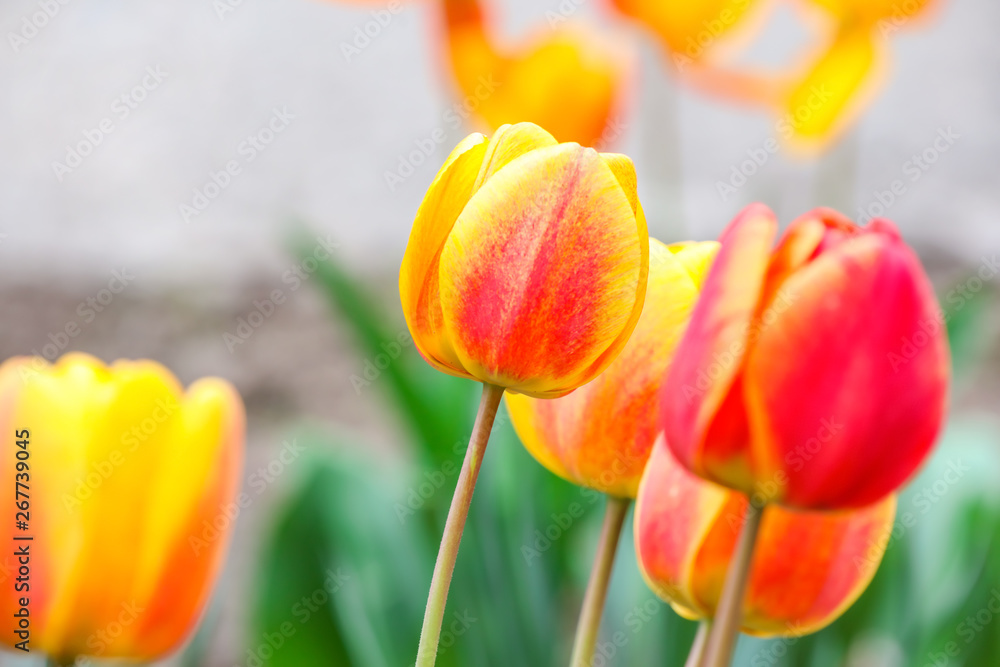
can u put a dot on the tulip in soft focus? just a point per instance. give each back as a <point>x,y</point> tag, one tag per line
<point>600,435</point>
<point>690,30</point>
<point>131,484</point>
<point>567,80</point>
<point>820,92</point>
<point>808,567</point>
<point>526,266</point>
<point>815,373</point>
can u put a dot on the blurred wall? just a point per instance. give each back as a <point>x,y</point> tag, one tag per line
<point>172,93</point>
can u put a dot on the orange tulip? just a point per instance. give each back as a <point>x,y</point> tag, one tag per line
<point>815,374</point>
<point>566,80</point>
<point>527,263</point>
<point>126,478</point>
<point>820,93</point>
<point>808,567</point>
<point>600,435</point>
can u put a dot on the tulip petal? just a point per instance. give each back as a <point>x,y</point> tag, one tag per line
<point>537,287</point>
<point>121,460</point>
<point>600,435</point>
<point>807,569</point>
<point>828,341</point>
<point>418,277</point>
<point>673,513</point>
<point>839,85</point>
<point>706,369</point>
<point>509,143</point>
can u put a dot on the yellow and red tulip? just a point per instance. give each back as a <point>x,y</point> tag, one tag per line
<point>566,80</point>
<point>527,264</point>
<point>131,483</point>
<point>808,567</point>
<point>600,435</point>
<point>818,370</point>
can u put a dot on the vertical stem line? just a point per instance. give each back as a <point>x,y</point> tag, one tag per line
<point>444,568</point>
<point>697,653</point>
<point>589,624</point>
<point>725,629</point>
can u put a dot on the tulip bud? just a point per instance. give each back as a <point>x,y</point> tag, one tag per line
<point>526,267</point>
<point>808,567</point>
<point>131,484</point>
<point>600,435</point>
<point>812,364</point>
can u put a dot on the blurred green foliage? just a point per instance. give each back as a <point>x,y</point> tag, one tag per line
<point>345,573</point>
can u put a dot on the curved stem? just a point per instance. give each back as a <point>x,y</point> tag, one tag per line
<point>597,588</point>
<point>430,633</point>
<point>722,638</point>
<point>697,653</point>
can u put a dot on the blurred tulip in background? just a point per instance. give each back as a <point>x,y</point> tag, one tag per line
<point>132,485</point>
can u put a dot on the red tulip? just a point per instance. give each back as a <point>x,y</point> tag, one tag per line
<point>815,374</point>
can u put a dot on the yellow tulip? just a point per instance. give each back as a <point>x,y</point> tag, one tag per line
<point>566,80</point>
<point>130,483</point>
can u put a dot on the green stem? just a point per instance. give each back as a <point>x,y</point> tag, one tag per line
<point>597,588</point>
<point>455,525</point>
<point>697,653</point>
<point>722,638</point>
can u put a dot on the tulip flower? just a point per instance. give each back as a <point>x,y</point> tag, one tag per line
<point>822,90</point>
<point>600,435</point>
<point>565,68</point>
<point>813,376</point>
<point>126,482</point>
<point>808,567</point>
<point>526,269</point>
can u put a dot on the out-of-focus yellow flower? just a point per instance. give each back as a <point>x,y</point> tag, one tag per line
<point>565,80</point>
<point>130,485</point>
<point>527,263</point>
<point>600,435</point>
<point>817,96</point>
